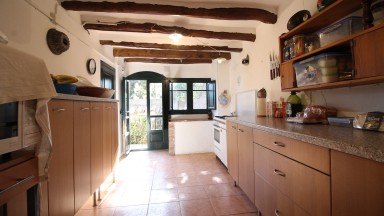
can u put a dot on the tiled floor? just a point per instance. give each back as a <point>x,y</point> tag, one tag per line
<point>155,183</point>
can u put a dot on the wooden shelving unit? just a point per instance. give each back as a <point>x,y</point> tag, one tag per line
<point>331,14</point>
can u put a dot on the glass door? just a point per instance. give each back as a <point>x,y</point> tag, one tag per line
<point>156,133</point>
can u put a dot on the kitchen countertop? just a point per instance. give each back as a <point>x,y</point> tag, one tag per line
<point>362,143</point>
<point>83,98</point>
<point>189,120</point>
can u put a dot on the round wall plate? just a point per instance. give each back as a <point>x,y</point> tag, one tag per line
<point>91,66</point>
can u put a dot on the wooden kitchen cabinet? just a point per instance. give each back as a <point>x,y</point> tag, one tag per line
<point>97,176</point>
<point>233,151</point>
<point>246,172</point>
<point>357,185</point>
<point>115,132</point>
<point>82,152</point>
<point>60,173</point>
<point>369,52</point>
<point>107,139</point>
<point>305,186</point>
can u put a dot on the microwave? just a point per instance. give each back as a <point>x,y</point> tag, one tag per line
<point>18,127</point>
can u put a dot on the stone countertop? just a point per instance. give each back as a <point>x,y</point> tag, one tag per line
<point>189,120</point>
<point>362,143</point>
<point>83,98</point>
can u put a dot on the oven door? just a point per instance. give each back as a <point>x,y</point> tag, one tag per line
<point>216,140</point>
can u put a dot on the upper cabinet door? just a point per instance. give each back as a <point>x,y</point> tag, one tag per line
<point>211,95</point>
<point>369,52</point>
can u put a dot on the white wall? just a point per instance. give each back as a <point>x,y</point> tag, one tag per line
<point>26,23</point>
<point>193,137</point>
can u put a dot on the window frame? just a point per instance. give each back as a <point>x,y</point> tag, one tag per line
<point>189,82</point>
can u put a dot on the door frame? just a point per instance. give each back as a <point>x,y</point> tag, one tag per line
<point>153,77</point>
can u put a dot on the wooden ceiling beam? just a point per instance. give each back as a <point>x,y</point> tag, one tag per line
<point>236,13</point>
<point>170,46</point>
<point>154,28</point>
<point>151,53</point>
<point>169,61</point>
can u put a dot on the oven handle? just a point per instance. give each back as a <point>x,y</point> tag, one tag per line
<point>19,182</point>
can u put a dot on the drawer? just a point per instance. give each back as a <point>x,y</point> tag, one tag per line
<point>17,179</point>
<point>308,188</point>
<point>308,154</point>
<point>277,203</point>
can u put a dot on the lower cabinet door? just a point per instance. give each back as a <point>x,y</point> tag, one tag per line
<point>60,173</point>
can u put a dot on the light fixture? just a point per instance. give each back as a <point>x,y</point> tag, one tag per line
<point>221,60</point>
<point>175,36</point>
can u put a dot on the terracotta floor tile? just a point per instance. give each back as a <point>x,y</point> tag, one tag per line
<point>164,209</point>
<point>232,205</point>
<point>218,190</point>
<point>200,207</point>
<point>218,178</point>
<point>96,212</point>
<point>164,195</point>
<point>166,183</point>
<point>187,181</point>
<point>192,193</point>
<point>139,210</point>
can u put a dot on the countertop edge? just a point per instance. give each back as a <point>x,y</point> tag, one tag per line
<point>371,153</point>
<point>83,98</point>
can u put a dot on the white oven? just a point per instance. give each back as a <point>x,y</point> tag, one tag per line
<point>220,139</point>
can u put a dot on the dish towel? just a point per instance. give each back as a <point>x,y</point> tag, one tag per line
<point>26,77</point>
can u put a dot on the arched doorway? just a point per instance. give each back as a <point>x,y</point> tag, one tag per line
<point>145,110</point>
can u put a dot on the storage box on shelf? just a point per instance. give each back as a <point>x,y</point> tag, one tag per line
<point>367,68</point>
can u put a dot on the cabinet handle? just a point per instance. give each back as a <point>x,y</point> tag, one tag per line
<point>107,108</point>
<point>19,182</point>
<point>233,127</point>
<point>277,212</point>
<point>278,172</point>
<point>84,108</point>
<point>241,130</point>
<point>58,110</point>
<point>95,108</point>
<point>279,144</point>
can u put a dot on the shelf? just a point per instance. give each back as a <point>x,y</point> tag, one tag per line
<point>329,15</point>
<point>339,84</point>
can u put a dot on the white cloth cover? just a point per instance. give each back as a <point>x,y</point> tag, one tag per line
<point>25,77</point>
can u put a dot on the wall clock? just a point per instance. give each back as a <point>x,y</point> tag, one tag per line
<point>91,66</point>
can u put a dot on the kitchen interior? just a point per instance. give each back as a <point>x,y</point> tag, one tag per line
<point>291,124</point>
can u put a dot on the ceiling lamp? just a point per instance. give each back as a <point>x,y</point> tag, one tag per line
<point>221,60</point>
<point>175,37</point>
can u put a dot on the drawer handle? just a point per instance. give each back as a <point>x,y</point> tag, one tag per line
<point>58,110</point>
<point>107,108</point>
<point>277,212</point>
<point>278,172</point>
<point>241,130</point>
<point>233,127</point>
<point>19,182</point>
<point>84,108</point>
<point>279,144</point>
<point>95,108</point>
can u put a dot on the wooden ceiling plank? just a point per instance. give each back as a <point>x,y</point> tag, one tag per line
<point>154,28</point>
<point>151,53</point>
<point>169,61</point>
<point>170,46</point>
<point>235,13</point>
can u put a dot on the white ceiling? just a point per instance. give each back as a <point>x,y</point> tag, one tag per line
<point>183,21</point>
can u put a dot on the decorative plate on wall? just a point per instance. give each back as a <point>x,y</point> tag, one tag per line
<point>91,66</point>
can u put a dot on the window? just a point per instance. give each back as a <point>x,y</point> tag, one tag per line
<point>107,76</point>
<point>192,96</point>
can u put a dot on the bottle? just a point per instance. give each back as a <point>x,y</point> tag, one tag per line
<point>293,105</point>
<point>261,103</point>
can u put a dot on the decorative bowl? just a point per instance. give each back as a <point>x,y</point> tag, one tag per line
<point>91,91</point>
<point>298,18</point>
<point>65,88</point>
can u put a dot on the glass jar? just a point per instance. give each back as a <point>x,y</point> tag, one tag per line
<point>287,49</point>
<point>299,45</point>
